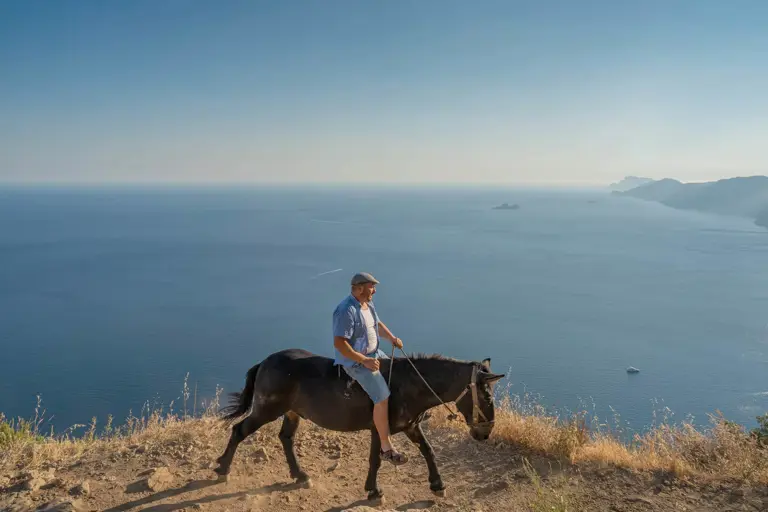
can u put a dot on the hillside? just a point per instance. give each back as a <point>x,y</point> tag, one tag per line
<point>628,183</point>
<point>762,218</point>
<point>744,196</point>
<point>532,463</point>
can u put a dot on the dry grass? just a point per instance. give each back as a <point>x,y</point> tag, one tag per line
<point>724,450</point>
<point>546,499</point>
<point>24,446</point>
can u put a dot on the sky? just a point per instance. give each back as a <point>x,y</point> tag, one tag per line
<point>343,91</point>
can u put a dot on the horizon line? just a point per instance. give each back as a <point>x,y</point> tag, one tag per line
<point>198,184</point>
<point>290,184</point>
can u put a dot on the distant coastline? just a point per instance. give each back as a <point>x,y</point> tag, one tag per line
<point>742,196</point>
<point>629,182</point>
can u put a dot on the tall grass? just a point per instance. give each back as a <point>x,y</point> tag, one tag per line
<point>23,444</point>
<point>546,498</point>
<point>722,449</point>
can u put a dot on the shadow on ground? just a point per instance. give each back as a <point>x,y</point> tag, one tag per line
<point>196,486</point>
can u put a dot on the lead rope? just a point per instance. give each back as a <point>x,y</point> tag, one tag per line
<point>452,415</point>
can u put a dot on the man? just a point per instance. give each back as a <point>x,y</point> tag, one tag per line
<point>356,330</point>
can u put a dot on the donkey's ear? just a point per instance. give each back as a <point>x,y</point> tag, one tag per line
<point>487,364</point>
<point>490,378</point>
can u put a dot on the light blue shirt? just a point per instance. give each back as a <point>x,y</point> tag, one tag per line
<point>348,323</point>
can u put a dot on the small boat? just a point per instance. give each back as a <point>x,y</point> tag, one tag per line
<point>632,369</point>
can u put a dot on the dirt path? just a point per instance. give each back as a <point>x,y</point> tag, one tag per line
<point>479,476</point>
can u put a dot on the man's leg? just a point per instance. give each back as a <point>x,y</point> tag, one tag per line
<point>381,414</point>
<point>381,420</point>
<point>374,384</point>
<point>379,393</point>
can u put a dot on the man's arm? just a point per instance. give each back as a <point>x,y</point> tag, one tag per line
<point>384,330</point>
<point>342,345</point>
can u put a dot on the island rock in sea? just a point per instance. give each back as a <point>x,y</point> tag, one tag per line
<point>507,206</point>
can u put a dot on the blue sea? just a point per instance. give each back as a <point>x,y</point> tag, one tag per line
<point>109,297</point>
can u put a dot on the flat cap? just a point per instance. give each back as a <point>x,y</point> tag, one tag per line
<point>363,277</point>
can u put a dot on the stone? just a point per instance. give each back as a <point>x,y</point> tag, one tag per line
<point>520,474</point>
<point>34,480</point>
<point>63,505</point>
<point>82,489</point>
<point>57,482</point>
<point>160,479</point>
<point>491,488</point>
<point>19,504</point>
<point>639,499</point>
<point>261,455</point>
<point>33,484</point>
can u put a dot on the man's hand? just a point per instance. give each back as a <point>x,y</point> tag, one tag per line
<point>372,364</point>
<point>397,342</point>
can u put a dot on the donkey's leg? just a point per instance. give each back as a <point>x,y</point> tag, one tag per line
<point>374,463</point>
<point>260,417</point>
<point>290,425</point>
<point>416,435</point>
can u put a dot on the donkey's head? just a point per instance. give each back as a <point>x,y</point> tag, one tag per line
<point>476,402</point>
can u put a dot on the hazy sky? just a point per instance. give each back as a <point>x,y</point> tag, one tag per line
<point>397,91</point>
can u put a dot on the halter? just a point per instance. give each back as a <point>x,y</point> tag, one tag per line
<point>476,411</point>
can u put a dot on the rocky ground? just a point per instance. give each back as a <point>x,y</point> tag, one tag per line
<point>174,474</point>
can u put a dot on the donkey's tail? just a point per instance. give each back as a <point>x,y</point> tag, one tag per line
<point>239,403</point>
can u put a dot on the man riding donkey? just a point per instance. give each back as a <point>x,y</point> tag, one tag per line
<point>297,385</point>
<point>356,328</point>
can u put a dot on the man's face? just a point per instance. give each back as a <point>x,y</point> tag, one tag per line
<point>366,290</point>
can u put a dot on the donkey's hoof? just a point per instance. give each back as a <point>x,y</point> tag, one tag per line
<point>305,483</point>
<point>440,493</point>
<point>221,474</point>
<point>376,497</point>
<point>377,502</point>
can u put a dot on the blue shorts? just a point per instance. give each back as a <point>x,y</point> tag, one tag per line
<point>372,383</point>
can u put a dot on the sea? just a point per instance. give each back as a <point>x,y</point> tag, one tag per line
<point>112,298</point>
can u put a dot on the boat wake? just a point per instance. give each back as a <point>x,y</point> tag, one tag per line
<point>326,273</point>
